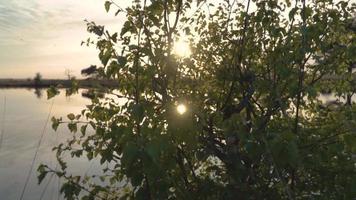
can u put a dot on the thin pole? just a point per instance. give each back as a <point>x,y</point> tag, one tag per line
<point>46,186</point>
<point>36,152</point>
<point>3,123</point>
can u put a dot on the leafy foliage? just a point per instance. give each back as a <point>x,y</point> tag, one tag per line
<point>255,127</point>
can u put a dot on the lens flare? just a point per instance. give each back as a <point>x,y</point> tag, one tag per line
<point>181,48</point>
<point>181,109</point>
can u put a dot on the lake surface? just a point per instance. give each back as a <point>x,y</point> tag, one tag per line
<point>23,119</point>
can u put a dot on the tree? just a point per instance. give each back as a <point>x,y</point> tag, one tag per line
<point>68,74</point>
<point>37,79</point>
<point>253,127</point>
<point>91,71</point>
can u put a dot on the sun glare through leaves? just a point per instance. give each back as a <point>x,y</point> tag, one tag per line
<point>181,48</point>
<point>181,109</point>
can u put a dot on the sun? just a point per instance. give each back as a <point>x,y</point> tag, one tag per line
<point>181,48</point>
<point>181,109</point>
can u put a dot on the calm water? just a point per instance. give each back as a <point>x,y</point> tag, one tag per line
<point>23,119</point>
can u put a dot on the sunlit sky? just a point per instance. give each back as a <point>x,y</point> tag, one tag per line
<point>45,35</point>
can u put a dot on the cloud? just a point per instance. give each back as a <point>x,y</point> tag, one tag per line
<point>34,33</point>
<point>20,20</point>
<point>14,15</point>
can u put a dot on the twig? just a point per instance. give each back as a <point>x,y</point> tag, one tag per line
<point>69,179</point>
<point>287,188</point>
<point>301,71</point>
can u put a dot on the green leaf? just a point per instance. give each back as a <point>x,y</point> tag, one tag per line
<point>118,11</point>
<point>153,150</point>
<point>72,127</point>
<point>308,12</point>
<point>107,5</point>
<point>83,129</point>
<point>77,117</point>
<point>52,92</point>
<point>138,112</point>
<point>350,142</point>
<point>114,37</point>
<point>90,155</point>
<point>42,170</point>
<point>77,153</point>
<point>129,154</point>
<point>71,116</point>
<point>293,154</point>
<point>137,179</point>
<point>122,60</point>
<point>156,8</point>
<point>105,57</point>
<point>128,27</point>
<point>55,123</point>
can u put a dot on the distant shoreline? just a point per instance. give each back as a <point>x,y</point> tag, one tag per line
<point>60,83</point>
<point>82,83</point>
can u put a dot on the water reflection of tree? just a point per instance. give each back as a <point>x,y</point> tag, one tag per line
<point>38,92</point>
<point>92,93</point>
<point>37,79</point>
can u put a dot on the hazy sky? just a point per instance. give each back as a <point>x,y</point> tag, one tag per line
<point>45,35</point>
